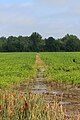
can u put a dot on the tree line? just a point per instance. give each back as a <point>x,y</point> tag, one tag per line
<point>35,43</point>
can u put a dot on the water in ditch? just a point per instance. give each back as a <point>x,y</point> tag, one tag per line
<point>66,95</point>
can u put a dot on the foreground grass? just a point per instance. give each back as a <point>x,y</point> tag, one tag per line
<point>15,67</point>
<point>18,106</point>
<point>63,66</point>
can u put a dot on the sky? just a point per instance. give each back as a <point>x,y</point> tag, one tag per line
<point>54,18</point>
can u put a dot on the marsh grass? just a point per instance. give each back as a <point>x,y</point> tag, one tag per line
<point>27,106</point>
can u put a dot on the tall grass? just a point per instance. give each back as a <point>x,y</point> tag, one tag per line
<point>19,106</point>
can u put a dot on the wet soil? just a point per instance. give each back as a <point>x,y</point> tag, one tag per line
<point>66,95</point>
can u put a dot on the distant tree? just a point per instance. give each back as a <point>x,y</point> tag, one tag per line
<point>13,44</point>
<point>71,43</point>
<point>24,43</point>
<point>57,46</point>
<point>2,43</point>
<point>51,44</point>
<point>35,42</point>
<point>61,45</point>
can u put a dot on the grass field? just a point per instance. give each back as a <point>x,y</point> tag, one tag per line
<point>16,104</point>
<point>15,67</point>
<point>63,66</point>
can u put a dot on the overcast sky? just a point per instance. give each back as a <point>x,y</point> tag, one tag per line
<point>48,17</point>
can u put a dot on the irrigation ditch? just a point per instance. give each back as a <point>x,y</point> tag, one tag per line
<point>67,96</point>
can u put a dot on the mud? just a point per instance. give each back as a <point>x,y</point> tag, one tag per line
<point>67,96</point>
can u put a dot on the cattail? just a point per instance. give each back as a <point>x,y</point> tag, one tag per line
<point>6,104</point>
<point>14,103</point>
<point>0,107</point>
<point>11,103</point>
<point>10,113</point>
<point>48,112</point>
<point>21,109</point>
<point>26,104</point>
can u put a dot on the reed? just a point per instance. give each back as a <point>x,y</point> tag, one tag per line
<point>19,106</point>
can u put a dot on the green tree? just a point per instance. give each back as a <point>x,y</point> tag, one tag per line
<point>35,42</point>
<point>24,43</point>
<point>2,43</point>
<point>13,44</point>
<point>51,45</point>
<point>71,43</point>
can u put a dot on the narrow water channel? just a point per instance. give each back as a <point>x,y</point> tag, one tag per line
<point>66,95</point>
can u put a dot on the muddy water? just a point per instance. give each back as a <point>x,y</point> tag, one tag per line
<point>66,95</point>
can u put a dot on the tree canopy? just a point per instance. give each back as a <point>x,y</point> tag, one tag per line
<point>35,43</point>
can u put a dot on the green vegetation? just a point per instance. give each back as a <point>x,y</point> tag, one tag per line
<point>35,43</point>
<point>19,106</point>
<point>63,66</point>
<point>15,67</point>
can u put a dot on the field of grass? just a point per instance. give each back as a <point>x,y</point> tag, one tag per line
<point>15,105</point>
<point>20,106</point>
<point>63,66</point>
<point>15,67</point>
